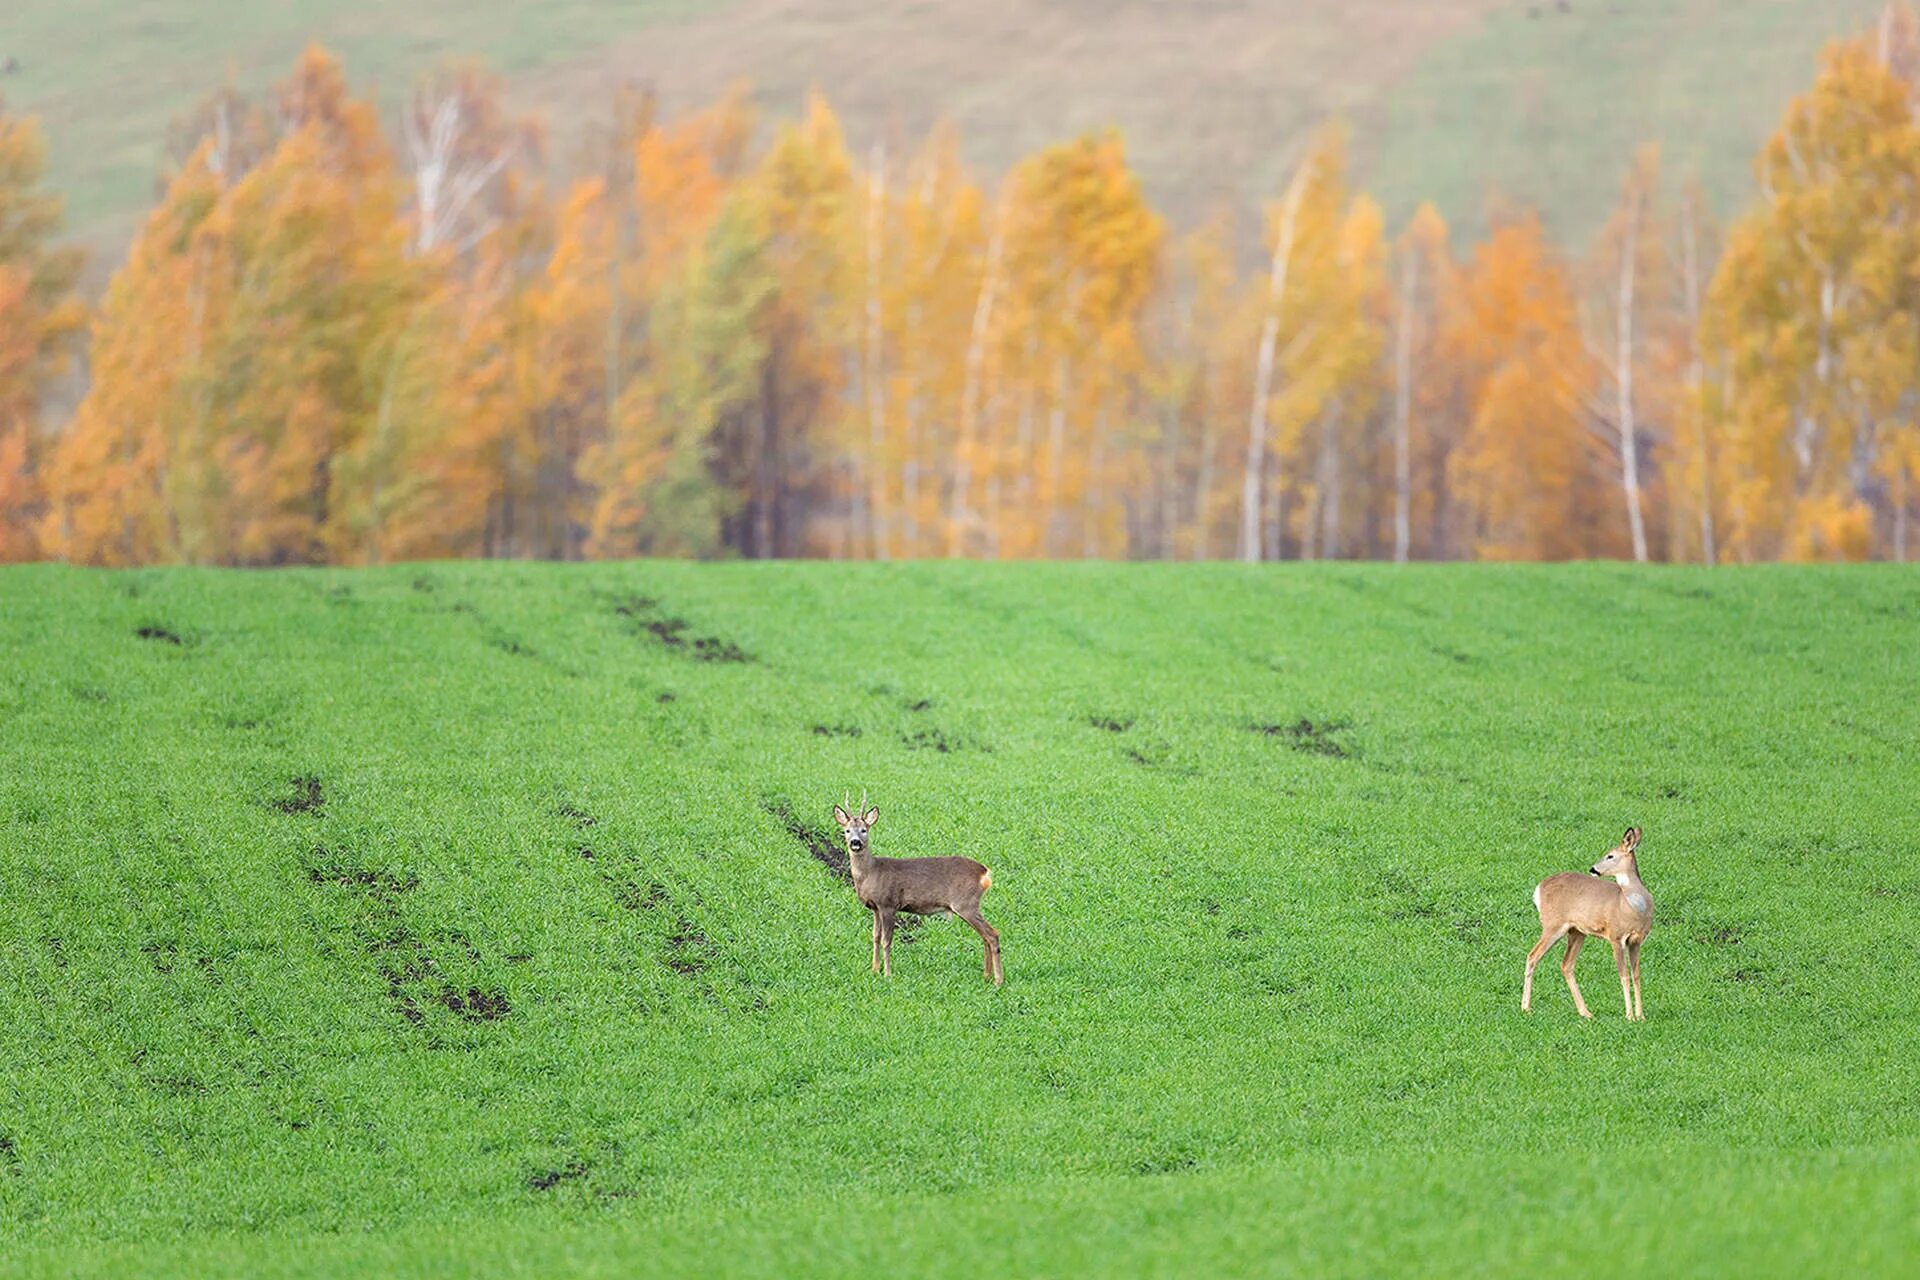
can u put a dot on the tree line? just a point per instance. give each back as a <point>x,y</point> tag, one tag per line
<point>339,341</point>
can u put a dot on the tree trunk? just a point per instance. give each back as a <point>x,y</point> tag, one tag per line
<point>1090,500</point>
<point>765,468</point>
<point>1403,409</point>
<point>1026,447</point>
<point>1623,381</point>
<point>1900,512</point>
<point>1806,428</point>
<point>1169,477</point>
<point>876,391</point>
<point>1203,491</point>
<point>913,442</point>
<point>1056,454</point>
<point>1330,484</point>
<point>1274,533</point>
<point>957,512</point>
<point>1253,477</point>
<point>1696,373</point>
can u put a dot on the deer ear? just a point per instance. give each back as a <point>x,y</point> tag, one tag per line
<point>872,816</point>
<point>1631,840</point>
<point>840,816</point>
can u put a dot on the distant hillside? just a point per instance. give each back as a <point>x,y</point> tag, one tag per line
<point>1448,99</point>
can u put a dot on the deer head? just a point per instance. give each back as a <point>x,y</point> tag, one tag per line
<point>1619,860</point>
<point>856,825</point>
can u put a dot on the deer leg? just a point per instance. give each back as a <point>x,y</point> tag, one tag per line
<point>1633,957</point>
<point>989,937</point>
<point>1575,941</point>
<point>876,941</point>
<point>1626,979</point>
<point>885,918</point>
<point>1547,938</point>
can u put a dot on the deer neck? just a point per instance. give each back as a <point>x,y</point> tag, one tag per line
<point>1633,891</point>
<point>861,863</point>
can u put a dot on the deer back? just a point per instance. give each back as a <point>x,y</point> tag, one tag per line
<point>921,885</point>
<point>1592,905</point>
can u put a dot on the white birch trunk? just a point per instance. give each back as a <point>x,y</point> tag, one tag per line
<point>958,512</point>
<point>1623,381</point>
<point>1403,409</point>
<point>1253,479</point>
<point>875,387</point>
<point>1056,451</point>
<point>1696,372</point>
<point>1203,491</point>
<point>1900,512</point>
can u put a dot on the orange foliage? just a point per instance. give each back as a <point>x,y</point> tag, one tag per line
<point>326,347</point>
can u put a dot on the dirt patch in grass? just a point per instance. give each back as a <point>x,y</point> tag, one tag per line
<point>676,634</point>
<point>688,949</point>
<point>307,796</point>
<point>475,1005</point>
<point>1160,1163</point>
<point>380,884</point>
<point>413,979</point>
<point>1720,935</point>
<point>1315,737</point>
<point>163,635</point>
<point>9,1156</point>
<point>927,740</point>
<point>1110,724</point>
<point>920,704</point>
<point>577,816</point>
<point>548,1179</point>
<point>836,730</point>
<point>635,896</point>
<point>820,844</point>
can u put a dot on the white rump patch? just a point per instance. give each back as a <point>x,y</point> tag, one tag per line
<point>1536,897</point>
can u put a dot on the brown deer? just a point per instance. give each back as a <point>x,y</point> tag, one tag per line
<point>1577,905</point>
<point>922,886</point>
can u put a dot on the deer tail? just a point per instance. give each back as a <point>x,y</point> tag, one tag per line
<point>986,879</point>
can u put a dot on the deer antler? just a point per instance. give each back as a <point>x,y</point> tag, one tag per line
<point>863,800</point>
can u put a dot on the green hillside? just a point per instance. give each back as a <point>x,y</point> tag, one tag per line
<point>1548,103</point>
<point>1448,99</point>
<point>441,919</point>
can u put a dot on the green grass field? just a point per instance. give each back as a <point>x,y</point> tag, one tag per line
<point>466,919</point>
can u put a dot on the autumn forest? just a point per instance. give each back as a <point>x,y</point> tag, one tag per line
<point>349,337</point>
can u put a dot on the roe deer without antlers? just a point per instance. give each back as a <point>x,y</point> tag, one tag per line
<point>922,886</point>
<point>1577,905</point>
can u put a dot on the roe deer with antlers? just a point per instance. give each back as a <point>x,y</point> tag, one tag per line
<point>1577,905</point>
<point>922,886</point>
